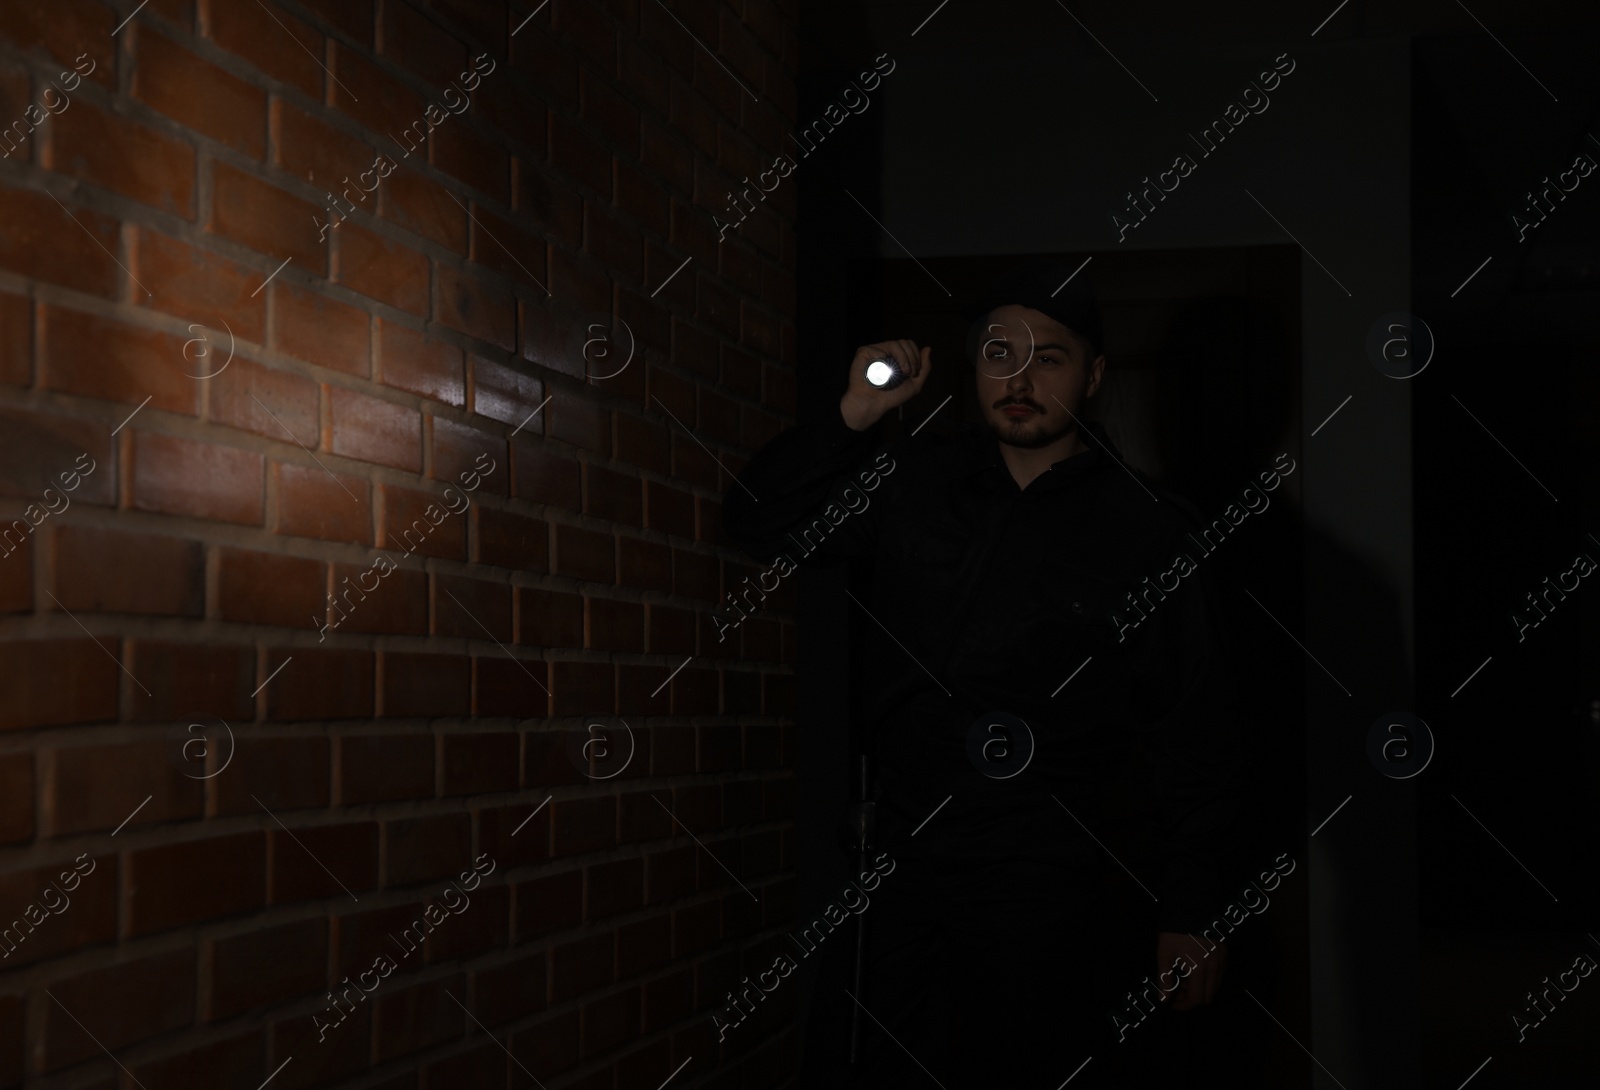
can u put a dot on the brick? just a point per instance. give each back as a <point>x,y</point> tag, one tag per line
<point>265,966</point>
<point>191,683</point>
<point>320,330</point>
<point>396,606</point>
<point>425,849</point>
<point>267,220</point>
<point>384,767</point>
<point>613,888</point>
<point>370,429</point>
<point>284,773</point>
<point>472,764</point>
<point>39,452</point>
<point>550,1045</point>
<point>360,935</point>
<point>542,475</point>
<point>153,574</point>
<point>208,290</point>
<point>645,564</point>
<point>585,554</point>
<point>424,686</point>
<point>275,404</point>
<point>694,692</point>
<point>367,93</point>
<point>198,94</point>
<point>615,244</point>
<point>16,798</point>
<point>581,422</point>
<point>613,496</point>
<point>550,64</point>
<point>389,272</point>
<point>503,393</point>
<point>669,509</point>
<point>470,305</point>
<point>99,999</point>
<point>583,688</point>
<point>514,836</point>
<point>255,33</point>
<point>551,204</point>
<point>695,575</point>
<point>614,626</point>
<point>51,682</point>
<point>506,993</point>
<point>580,156</point>
<point>88,886</point>
<point>644,444</point>
<point>320,154</point>
<point>120,154</point>
<point>640,196</point>
<point>423,522</point>
<point>16,340</point>
<point>315,502</point>
<point>669,630</point>
<point>520,115</point>
<point>549,618</point>
<point>580,282</point>
<point>473,609</point>
<point>201,480</point>
<point>319,684</point>
<point>548,902</point>
<point>322,861</point>
<point>411,360</point>
<point>507,540</point>
<point>610,1022</point>
<point>341,1052</point>
<point>643,946</point>
<point>490,909</point>
<point>16,574</point>
<point>508,249</point>
<point>231,1061</point>
<point>468,458</point>
<point>354,17</point>
<point>161,893</point>
<point>65,32</point>
<point>718,418</point>
<point>424,207</point>
<point>473,159</point>
<point>581,965</point>
<point>99,786</point>
<point>268,588</point>
<point>91,356</point>
<point>483,1065</point>
<point>668,999</point>
<point>409,1019</point>
<point>420,45</point>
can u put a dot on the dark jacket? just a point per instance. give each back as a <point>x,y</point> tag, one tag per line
<point>985,598</point>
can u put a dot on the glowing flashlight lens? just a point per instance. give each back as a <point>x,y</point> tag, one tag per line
<point>882,374</point>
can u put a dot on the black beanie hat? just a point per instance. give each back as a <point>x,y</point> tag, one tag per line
<point>1044,286</point>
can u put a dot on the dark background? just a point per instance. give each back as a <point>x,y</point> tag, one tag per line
<point>1395,153</point>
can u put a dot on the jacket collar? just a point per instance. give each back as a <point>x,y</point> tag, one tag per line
<point>990,468</point>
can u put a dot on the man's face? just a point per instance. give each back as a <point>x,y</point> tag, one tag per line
<point>1031,371</point>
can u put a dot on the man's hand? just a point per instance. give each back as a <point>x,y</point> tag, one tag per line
<point>863,404</point>
<point>1182,961</point>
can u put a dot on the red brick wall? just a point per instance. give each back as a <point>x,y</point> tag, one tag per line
<point>214,413</point>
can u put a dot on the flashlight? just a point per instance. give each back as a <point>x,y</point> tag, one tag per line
<point>885,374</point>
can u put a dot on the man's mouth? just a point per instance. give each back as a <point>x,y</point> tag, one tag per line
<point>1017,412</point>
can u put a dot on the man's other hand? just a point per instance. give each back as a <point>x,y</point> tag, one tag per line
<point>1195,985</point>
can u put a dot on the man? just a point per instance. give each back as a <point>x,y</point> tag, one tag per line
<point>1033,696</point>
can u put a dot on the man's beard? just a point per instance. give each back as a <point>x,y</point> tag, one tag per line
<point>1020,433</point>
